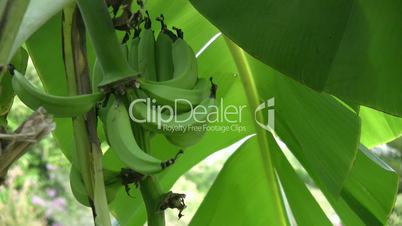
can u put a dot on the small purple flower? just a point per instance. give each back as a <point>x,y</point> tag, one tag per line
<point>51,192</point>
<point>50,167</point>
<point>56,205</point>
<point>59,203</point>
<point>38,201</point>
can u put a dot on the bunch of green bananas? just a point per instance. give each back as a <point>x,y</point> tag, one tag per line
<point>169,79</point>
<point>167,71</point>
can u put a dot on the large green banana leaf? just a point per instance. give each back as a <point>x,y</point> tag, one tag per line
<point>245,199</point>
<point>37,14</point>
<point>319,130</point>
<point>378,127</point>
<point>348,48</point>
<point>48,61</point>
<point>44,48</point>
<point>364,201</point>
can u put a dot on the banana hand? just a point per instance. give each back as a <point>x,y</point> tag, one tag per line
<point>122,141</point>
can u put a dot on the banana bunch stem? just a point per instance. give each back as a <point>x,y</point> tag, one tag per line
<point>151,190</point>
<point>104,41</point>
<point>152,195</point>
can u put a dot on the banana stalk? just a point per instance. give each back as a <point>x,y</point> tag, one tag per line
<point>88,155</point>
<point>152,195</point>
<point>81,154</point>
<point>105,43</point>
<point>151,190</point>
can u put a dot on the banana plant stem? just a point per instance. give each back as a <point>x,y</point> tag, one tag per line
<point>81,155</point>
<point>151,191</point>
<point>88,155</point>
<point>251,91</point>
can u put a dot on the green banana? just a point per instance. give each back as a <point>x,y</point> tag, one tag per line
<point>138,130</point>
<point>167,95</point>
<point>164,58</point>
<point>78,187</point>
<point>171,124</point>
<point>124,49</point>
<point>19,61</point>
<point>122,141</point>
<point>190,138</point>
<point>6,94</point>
<point>146,55</point>
<point>185,71</point>
<point>59,106</point>
<point>187,139</point>
<point>80,193</point>
<point>133,54</point>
